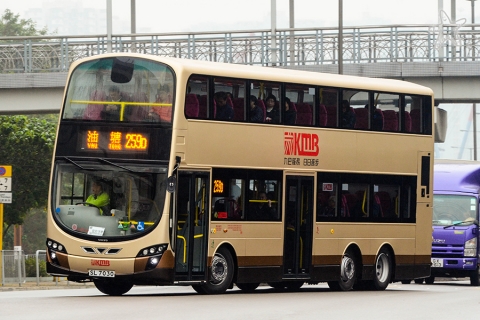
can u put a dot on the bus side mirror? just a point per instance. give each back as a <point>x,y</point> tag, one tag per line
<point>171,184</point>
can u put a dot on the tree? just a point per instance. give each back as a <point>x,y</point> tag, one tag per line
<point>11,25</point>
<point>27,145</point>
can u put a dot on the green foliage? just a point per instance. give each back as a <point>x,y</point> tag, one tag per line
<point>31,267</point>
<point>27,145</point>
<point>11,25</point>
<point>34,231</point>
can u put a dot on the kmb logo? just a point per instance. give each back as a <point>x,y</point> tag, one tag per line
<point>301,144</point>
<point>103,263</point>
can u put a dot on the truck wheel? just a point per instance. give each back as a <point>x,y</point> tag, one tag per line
<point>475,278</point>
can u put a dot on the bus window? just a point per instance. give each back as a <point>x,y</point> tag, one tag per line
<point>235,98</point>
<point>327,201</point>
<point>134,200</point>
<point>329,99</point>
<point>198,85</point>
<point>263,200</point>
<point>299,105</point>
<point>359,103</point>
<point>97,93</point>
<point>388,105</point>
<point>263,90</point>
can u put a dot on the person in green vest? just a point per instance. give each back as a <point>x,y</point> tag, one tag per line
<point>99,197</point>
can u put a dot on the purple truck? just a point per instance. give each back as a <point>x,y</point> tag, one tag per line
<point>455,251</point>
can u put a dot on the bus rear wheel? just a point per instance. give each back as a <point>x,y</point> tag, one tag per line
<point>383,270</point>
<point>220,272</point>
<point>348,274</point>
<point>112,287</point>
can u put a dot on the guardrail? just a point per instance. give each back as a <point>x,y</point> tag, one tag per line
<point>306,46</point>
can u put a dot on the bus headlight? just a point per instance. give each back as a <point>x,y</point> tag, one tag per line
<point>470,248</point>
<point>54,247</point>
<point>154,253</point>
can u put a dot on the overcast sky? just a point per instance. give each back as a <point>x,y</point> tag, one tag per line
<point>160,16</point>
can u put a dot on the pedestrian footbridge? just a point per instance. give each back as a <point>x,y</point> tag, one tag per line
<point>444,57</point>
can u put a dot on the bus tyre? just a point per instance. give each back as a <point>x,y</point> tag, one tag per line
<point>348,274</point>
<point>383,270</point>
<point>475,278</point>
<point>220,272</point>
<point>419,281</point>
<point>112,288</point>
<point>248,287</point>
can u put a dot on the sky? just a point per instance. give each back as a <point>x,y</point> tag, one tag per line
<point>158,16</point>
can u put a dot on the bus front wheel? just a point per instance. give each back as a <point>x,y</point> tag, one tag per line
<point>221,272</point>
<point>348,274</point>
<point>112,288</point>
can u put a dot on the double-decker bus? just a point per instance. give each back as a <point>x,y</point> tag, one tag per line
<point>172,171</point>
<point>455,250</point>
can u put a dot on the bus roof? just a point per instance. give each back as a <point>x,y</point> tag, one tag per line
<point>457,175</point>
<point>277,74</point>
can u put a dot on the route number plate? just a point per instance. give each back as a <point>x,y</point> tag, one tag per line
<point>101,273</point>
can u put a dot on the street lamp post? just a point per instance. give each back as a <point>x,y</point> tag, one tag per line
<point>340,36</point>
<point>474,105</point>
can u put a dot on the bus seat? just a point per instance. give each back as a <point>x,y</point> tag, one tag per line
<point>361,121</point>
<point>238,109</point>
<point>390,120</point>
<point>304,114</point>
<point>93,111</point>
<point>203,106</point>
<point>191,106</point>
<point>408,121</point>
<point>351,202</point>
<point>385,202</point>
<point>331,116</point>
<point>415,115</point>
<point>322,198</point>
<point>345,210</point>
<point>138,113</point>
<point>322,115</point>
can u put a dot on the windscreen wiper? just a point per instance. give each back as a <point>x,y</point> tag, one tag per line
<point>77,165</point>
<point>475,222</point>
<point>116,165</point>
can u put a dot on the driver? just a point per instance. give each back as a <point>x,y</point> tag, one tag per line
<point>98,198</point>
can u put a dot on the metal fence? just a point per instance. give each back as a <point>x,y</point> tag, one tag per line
<point>13,266</point>
<point>284,47</point>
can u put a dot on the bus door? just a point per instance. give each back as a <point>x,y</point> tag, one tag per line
<point>191,226</point>
<point>298,226</point>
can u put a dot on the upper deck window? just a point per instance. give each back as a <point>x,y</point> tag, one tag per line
<point>121,89</point>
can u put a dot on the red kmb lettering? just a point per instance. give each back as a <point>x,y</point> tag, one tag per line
<point>103,263</point>
<point>301,144</point>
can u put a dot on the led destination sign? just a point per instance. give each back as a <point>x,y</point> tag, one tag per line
<point>114,141</point>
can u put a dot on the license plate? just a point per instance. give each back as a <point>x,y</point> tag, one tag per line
<point>101,273</point>
<point>437,263</point>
